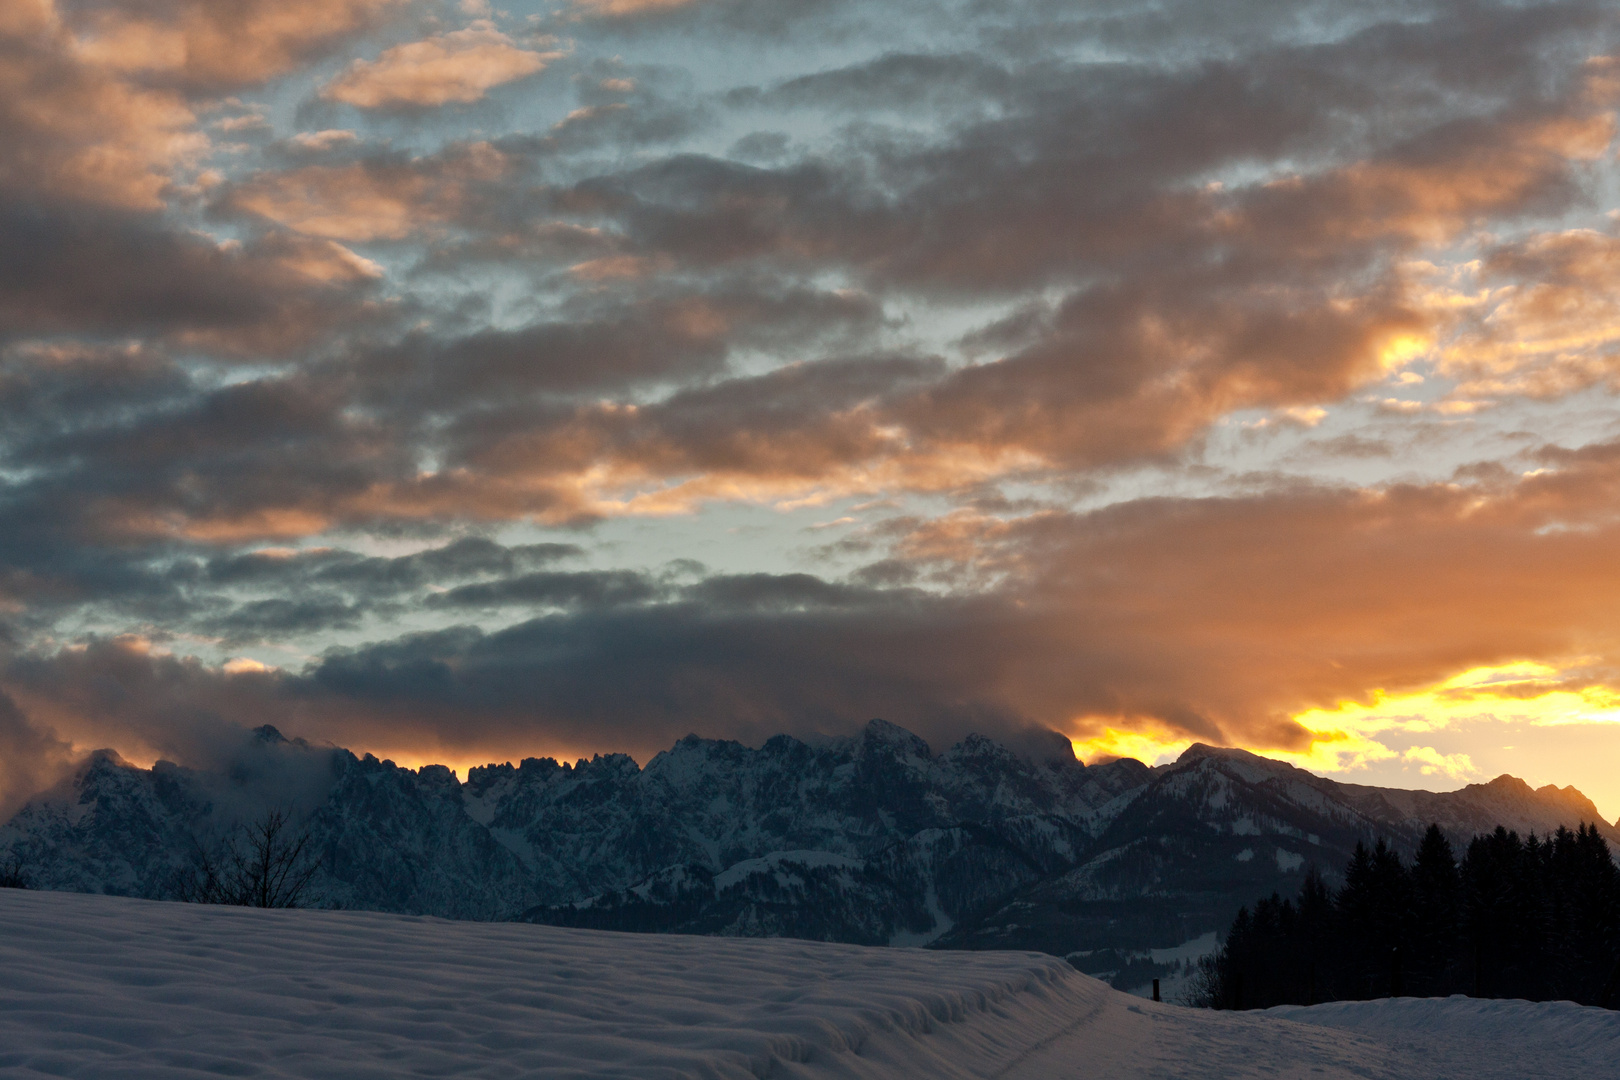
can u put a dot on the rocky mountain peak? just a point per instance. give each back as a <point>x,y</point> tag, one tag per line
<point>990,844</point>
<point>1199,751</point>
<point>106,758</point>
<point>979,748</point>
<point>880,736</point>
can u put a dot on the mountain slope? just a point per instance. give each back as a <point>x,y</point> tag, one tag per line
<point>873,839</point>
<point>164,991</point>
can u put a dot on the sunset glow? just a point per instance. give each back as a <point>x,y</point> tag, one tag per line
<point>1392,730</point>
<point>442,380</point>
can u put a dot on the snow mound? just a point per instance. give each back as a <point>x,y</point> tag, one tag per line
<point>96,986</point>
<point>100,986</point>
<point>1480,1038</point>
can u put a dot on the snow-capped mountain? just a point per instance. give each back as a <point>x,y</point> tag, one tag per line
<point>873,839</point>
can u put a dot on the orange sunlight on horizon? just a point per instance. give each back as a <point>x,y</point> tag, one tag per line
<point>1389,729</point>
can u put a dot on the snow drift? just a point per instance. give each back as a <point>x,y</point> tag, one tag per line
<point>102,986</point>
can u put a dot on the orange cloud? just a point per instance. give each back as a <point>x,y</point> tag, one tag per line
<point>1335,628</point>
<point>619,267</point>
<point>621,9</point>
<point>323,261</point>
<point>1539,317</point>
<point>95,100</point>
<point>74,128</point>
<point>222,45</point>
<point>459,67</point>
<point>370,201</point>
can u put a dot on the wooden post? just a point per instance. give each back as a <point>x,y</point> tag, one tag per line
<point>1155,989</point>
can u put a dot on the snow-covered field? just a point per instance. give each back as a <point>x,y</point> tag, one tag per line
<point>95,986</point>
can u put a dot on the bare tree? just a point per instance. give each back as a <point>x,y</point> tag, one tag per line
<point>274,867</point>
<point>265,865</point>
<point>12,874</point>
<point>202,883</point>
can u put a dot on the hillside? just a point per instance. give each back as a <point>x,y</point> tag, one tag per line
<point>103,986</point>
<point>871,840</point>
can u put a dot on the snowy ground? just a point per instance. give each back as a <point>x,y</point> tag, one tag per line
<point>105,987</point>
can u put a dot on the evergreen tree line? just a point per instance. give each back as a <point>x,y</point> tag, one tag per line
<point>1536,919</point>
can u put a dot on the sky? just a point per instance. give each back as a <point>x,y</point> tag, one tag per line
<point>459,382</point>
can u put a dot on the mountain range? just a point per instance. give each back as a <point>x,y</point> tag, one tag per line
<point>873,839</point>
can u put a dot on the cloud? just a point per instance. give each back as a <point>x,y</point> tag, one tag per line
<point>1014,268</point>
<point>459,67</point>
<point>1172,304</point>
<point>212,46</point>
<point>109,272</point>
<point>173,465</point>
<point>617,9</point>
<point>1194,298</point>
<point>1213,619</point>
<point>596,589</point>
<point>743,17</point>
<point>30,759</point>
<point>377,575</point>
<point>99,100</point>
<point>1538,316</point>
<point>379,198</point>
<point>75,129</point>
<point>897,81</point>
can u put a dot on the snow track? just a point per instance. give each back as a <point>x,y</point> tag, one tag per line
<point>98,987</point>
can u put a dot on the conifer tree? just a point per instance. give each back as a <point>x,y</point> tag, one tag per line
<point>1534,918</point>
<point>1436,890</point>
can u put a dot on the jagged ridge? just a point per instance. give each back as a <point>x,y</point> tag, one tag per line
<point>872,839</point>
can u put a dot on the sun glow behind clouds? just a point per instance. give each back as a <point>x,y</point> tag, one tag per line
<point>1154,746</point>
<point>1524,692</point>
<point>1354,735</point>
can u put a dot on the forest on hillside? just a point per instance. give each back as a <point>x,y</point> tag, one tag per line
<point>1513,918</point>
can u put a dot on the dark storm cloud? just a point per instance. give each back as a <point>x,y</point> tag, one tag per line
<point>95,142</point>
<point>664,335</point>
<point>111,453</point>
<point>793,422</point>
<point>470,556</point>
<point>48,559</point>
<point>261,620</point>
<point>649,673</point>
<point>313,590</point>
<point>549,358</point>
<point>229,460</point>
<point>110,272</point>
<point>896,81</point>
<point>30,759</point>
<point>595,589</point>
<point>46,389</point>
<point>783,592</point>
